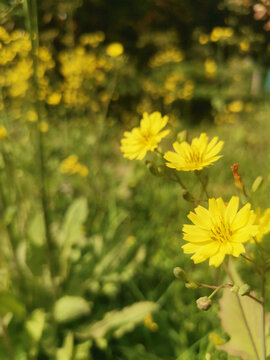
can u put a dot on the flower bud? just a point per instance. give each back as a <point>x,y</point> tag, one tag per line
<point>257,183</point>
<point>203,303</point>
<point>153,169</point>
<point>182,136</point>
<point>191,285</point>
<point>179,273</point>
<point>244,290</point>
<point>235,289</point>
<point>187,195</point>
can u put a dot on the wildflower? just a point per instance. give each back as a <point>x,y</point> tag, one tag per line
<point>32,116</point>
<point>263,222</point>
<point>236,106</point>
<point>218,231</point>
<point>68,164</point>
<point>140,140</point>
<point>54,98</point>
<point>43,126</point>
<point>195,156</point>
<point>115,49</point>
<point>3,132</point>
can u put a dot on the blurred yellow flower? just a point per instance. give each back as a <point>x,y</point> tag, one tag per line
<point>263,222</point>
<point>218,231</point>
<point>194,156</point>
<point>203,39</point>
<point>140,140</point>
<point>3,132</point>
<point>236,106</point>
<point>43,126</point>
<point>31,116</point>
<point>115,49</point>
<point>149,323</point>
<point>244,45</point>
<point>71,165</point>
<point>210,67</point>
<point>54,98</point>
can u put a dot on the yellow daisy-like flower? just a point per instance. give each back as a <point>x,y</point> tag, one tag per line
<point>263,222</point>
<point>137,142</point>
<point>115,49</point>
<point>194,156</point>
<point>218,231</point>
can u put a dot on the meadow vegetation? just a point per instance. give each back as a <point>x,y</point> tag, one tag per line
<point>92,211</point>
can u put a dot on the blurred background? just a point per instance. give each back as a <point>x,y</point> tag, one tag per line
<point>89,240</point>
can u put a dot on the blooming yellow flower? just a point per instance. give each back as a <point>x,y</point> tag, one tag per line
<point>54,98</point>
<point>43,126</point>
<point>137,142</point>
<point>3,132</point>
<point>218,231</point>
<point>115,49</point>
<point>194,156</point>
<point>263,222</point>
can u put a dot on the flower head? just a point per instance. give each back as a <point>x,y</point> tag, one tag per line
<point>115,49</point>
<point>194,156</point>
<point>3,132</point>
<point>140,140</point>
<point>218,231</point>
<point>263,222</point>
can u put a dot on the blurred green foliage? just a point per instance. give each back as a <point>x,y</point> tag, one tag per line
<point>103,286</point>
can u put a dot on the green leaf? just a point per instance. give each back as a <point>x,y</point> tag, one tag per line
<point>118,322</point>
<point>37,230</point>
<point>241,318</point>
<point>35,324</point>
<point>71,232</point>
<point>74,219</point>
<point>82,351</point>
<point>9,303</point>
<point>69,308</point>
<point>66,352</point>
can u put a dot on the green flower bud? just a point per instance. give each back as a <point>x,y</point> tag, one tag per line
<point>191,285</point>
<point>257,183</point>
<point>182,136</point>
<point>244,290</point>
<point>235,289</point>
<point>187,196</point>
<point>179,273</point>
<point>203,303</point>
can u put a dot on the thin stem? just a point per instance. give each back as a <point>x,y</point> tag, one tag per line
<point>263,317</point>
<point>243,314</point>
<point>6,339</point>
<point>204,185</point>
<point>253,263</point>
<point>33,19</point>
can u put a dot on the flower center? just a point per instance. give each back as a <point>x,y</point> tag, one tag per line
<point>193,156</point>
<point>221,233</point>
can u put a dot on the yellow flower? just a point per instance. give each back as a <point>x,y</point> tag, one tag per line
<point>3,132</point>
<point>43,126</point>
<point>115,49</point>
<point>195,156</point>
<point>54,98</point>
<point>236,106</point>
<point>140,140</point>
<point>67,165</point>
<point>218,231</point>
<point>263,222</point>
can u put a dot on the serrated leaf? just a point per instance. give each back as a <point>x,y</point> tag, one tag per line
<point>241,318</point>
<point>35,324</point>
<point>66,352</point>
<point>118,321</point>
<point>69,308</point>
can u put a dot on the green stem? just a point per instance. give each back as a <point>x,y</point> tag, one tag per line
<point>263,317</point>
<point>204,185</point>
<point>6,339</point>
<point>33,20</point>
